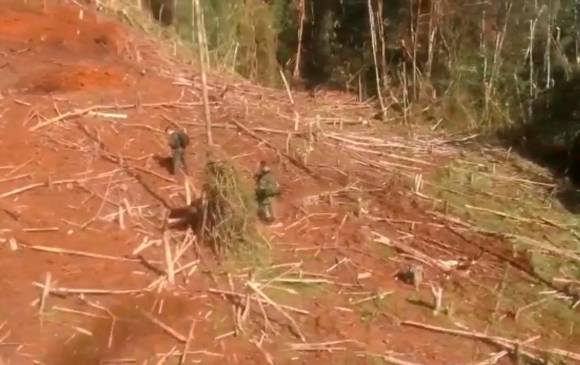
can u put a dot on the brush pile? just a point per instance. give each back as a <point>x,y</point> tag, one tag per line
<point>229,209</point>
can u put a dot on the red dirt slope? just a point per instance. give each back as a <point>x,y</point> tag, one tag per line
<point>79,193</point>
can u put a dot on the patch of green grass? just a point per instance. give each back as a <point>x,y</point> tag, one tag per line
<point>493,202</point>
<point>384,251</point>
<point>372,309</point>
<point>557,312</point>
<point>487,194</point>
<point>254,254</point>
<point>307,289</point>
<point>222,322</point>
<point>377,360</point>
<point>552,313</point>
<point>290,292</point>
<point>349,358</point>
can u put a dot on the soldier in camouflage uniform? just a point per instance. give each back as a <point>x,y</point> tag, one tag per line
<point>266,190</point>
<point>178,141</point>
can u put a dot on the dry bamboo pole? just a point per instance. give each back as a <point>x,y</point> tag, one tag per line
<point>432,32</point>
<point>204,47</point>
<point>383,43</point>
<point>415,41</point>
<point>548,51</point>
<point>375,58</point>
<point>576,33</point>
<point>483,50</point>
<point>198,21</point>
<point>533,24</point>
<point>302,11</point>
<point>482,33</point>
<point>360,88</point>
<point>405,94</point>
<point>531,63</point>
<point>500,39</point>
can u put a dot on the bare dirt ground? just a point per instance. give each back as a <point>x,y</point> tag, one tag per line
<point>84,277</point>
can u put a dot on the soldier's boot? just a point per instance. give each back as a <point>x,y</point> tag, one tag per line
<point>269,213</point>
<point>176,159</point>
<point>265,212</point>
<point>173,162</point>
<point>261,212</point>
<point>183,164</point>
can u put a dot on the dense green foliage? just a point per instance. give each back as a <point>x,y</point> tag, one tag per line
<point>241,36</point>
<point>490,65</point>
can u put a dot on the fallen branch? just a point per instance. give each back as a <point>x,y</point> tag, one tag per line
<point>190,336</point>
<point>264,353</point>
<point>44,295</point>
<point>66,291</point>
<point>395,361</point>
<point>80,112</point>
<point>71,114</point>
<point>497,356</point>
<point>377,143</point>
<point>38,230</point>
<point>565,281</point>
<point>108,115</point>
<point>294,161</point>
<point>500,214</point>
<point>22,189</point>
<point>118,361</point>
<point>14,178</point>
<point>224,335</point>
<point>62,251</point>
<point>255,129</point>
<point>197,352</point>
<point>153,173</point>
<point>411,251</point>
<point>510,344</point>
<point>76,312</point>
<point>109,313</point>
<point>493,359</point>
<point>379,296</point>
<point>243,296</point>
<point>543,246</point>
<point>34,186</point>
<point>170,268</point>
<point>178,336</point>
<point>530,305</point>
<point>166,356</point>
<point>267,299</point>
<point>462,333</point>
<point>322,346</point>
<point>389,359</point>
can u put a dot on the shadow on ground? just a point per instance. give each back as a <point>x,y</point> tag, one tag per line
<point>552,139</point>
<point>165,163</point>
<point>189,216</point>
<point>569,196</point>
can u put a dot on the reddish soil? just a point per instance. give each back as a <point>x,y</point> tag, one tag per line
<point>54,61</point>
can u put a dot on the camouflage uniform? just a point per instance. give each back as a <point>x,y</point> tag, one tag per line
<point>266,190</point>
<point>178,141</point>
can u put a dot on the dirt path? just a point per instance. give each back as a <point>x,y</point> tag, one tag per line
<point>65,183</point>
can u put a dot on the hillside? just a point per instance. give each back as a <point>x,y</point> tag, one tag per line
<point>87,261</point>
